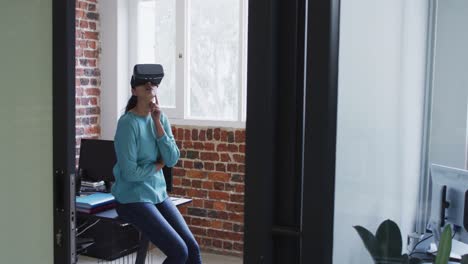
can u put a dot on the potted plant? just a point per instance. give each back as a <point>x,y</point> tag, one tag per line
<point>385,246</point>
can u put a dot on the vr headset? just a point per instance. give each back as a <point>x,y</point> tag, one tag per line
<point>143,73</point>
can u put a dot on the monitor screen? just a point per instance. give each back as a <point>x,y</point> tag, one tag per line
<point>97,159</point>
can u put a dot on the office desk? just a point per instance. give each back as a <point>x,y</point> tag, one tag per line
<point>111,217</point>
<point>426,257</point>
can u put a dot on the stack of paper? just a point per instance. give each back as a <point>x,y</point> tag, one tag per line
<point>95,203</point>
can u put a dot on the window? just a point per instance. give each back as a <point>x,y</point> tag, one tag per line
<point>202,47</point>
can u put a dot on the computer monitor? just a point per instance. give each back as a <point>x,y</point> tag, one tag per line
<point>97,160</point>
<point>449,203</point>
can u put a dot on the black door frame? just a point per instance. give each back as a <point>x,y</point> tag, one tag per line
<point>292,80</point>
<point>63,70</point>
<point>291,131</point>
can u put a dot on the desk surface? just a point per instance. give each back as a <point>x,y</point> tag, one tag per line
<point>421,251</point>
<point>112,214</point>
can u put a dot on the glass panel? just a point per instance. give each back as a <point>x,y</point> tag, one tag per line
<point>214,39</point>
<point>380,122</point>
<point>157,43</point>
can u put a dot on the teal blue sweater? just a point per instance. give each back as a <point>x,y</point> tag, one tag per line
<point>138,148</point>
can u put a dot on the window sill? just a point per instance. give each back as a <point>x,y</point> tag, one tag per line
<point>206,123</point>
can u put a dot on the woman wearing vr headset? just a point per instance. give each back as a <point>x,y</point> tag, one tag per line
<point>144,144</point>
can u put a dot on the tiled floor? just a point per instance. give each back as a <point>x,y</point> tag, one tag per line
<point>158,257</point>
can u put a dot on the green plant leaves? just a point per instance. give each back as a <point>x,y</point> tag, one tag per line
<point>389,239</point>
<point>464,259</point>
<point>445,246</point>
<point>386,246</point>
<point>369,240</point>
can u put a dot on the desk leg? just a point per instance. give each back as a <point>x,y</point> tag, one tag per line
<point>142,251</point>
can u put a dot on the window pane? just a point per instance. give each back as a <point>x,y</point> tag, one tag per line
<point>157,43</point>
<point>214,57</point>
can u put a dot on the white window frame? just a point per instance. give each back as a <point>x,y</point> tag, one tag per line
<point>179,114</point>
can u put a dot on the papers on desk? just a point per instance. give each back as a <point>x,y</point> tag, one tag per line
<point>458,249</point>
<point>96,202</point>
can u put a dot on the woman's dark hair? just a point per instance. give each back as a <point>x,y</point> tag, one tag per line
<point>132,102</point>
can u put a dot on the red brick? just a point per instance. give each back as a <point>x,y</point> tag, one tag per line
<point>236,217</point>
<point>239,208</point>
<point>240,188</point>
<point>209,146</point>
<point>180,134</point>
<point>237,198</point>
<point>198,146</point>
<point>196,184</point>
<point>186,182</point>
<point>208,204</point>
<point>197,203</point>
<point>178,172</point>
<point>91,35</point>
<point>232,167</point>
<point>91,44</point>
<point>233,148</point>
<point>209,156</point>
<point>84,24</point>
<point>239,158</point>
<point>202,135</point>
<point>219,206</point>
<point>188,164</point>
<point>196,193</point>
<point>227,245</point>
<point>92,25</point>
<point>209,166</point>
<point>82,5</point>
<point>187,134</point>
<point>239,246</point>
<point>178,181</point>
<point>93,91</point>
<point>207,185</point>
<point>217,134</point>
<point>219,186</point>
<point>222,147</point>
<point>198,230</point>
<point>217,224</point>
<point>194,134</point>
<point>217,243</point>
<point>240,136</point>
<point>218,176</point>
<point>224,136</point>
<point>241,168</point>
<point>227,226</point>
<point>196,174</point>
<point>225,157</point>
<point>220,167</point>
<point>216,195</point>
<point>90,53</point>
<point>188,144</point>
<point>178,191</point>
<point>242,148</point>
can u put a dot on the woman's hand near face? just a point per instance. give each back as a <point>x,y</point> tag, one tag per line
<point>155,110</point>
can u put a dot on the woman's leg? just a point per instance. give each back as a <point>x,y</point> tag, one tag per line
<point>147,218</point>
<point>176,220</point>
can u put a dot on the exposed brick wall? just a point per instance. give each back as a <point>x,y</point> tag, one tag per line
<point>211,171</point>
<point>87,79</point>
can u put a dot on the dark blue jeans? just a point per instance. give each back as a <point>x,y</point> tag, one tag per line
<point>165,227</point>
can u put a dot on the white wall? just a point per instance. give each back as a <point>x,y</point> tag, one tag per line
<point>115,69</point>
<point>26,218</point>
<point>450,91</point>
<point>380,109</point>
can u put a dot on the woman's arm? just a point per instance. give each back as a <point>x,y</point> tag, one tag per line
<point>167,146</point>
<point>126,151</point>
